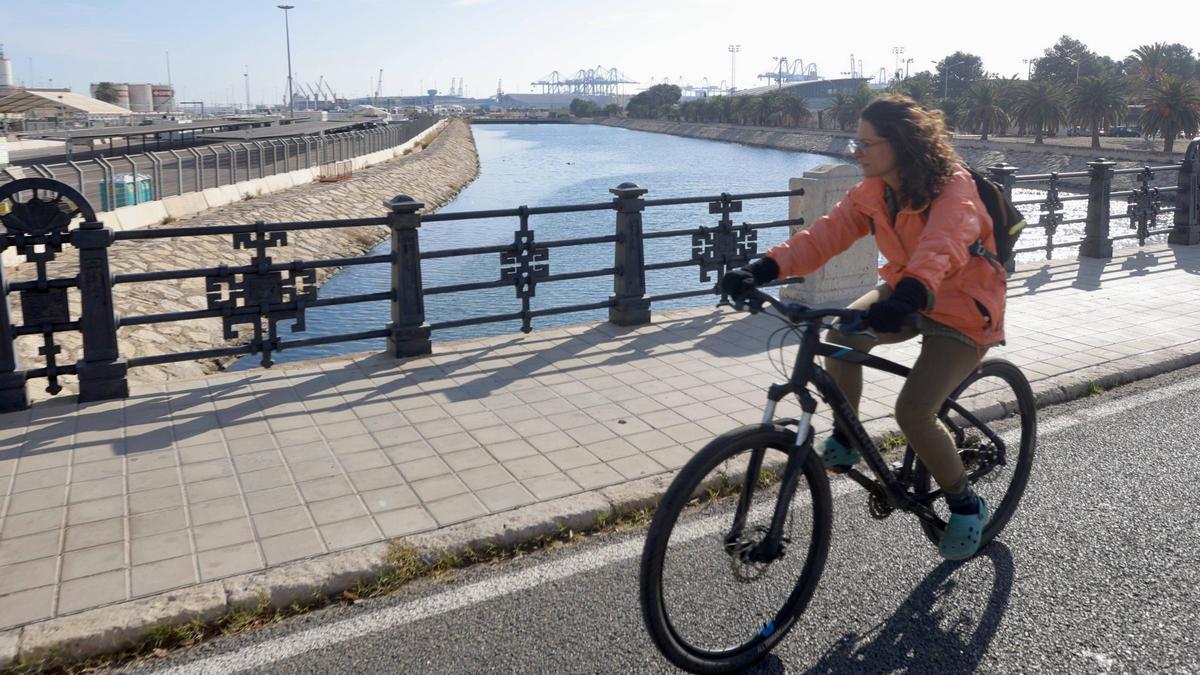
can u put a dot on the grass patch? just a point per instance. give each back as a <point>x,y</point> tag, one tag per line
<point>168,220</point>
<point>1095,390</point>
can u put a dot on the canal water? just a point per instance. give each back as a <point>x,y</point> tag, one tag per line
<point>559,164</point>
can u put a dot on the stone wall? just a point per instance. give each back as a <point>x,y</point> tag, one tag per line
<point>433,175</point>
<point>1029,158</point>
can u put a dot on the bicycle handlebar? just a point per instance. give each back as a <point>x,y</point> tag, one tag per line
<point>850,320</point>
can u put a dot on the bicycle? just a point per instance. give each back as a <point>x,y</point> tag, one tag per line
<point>783,496</point>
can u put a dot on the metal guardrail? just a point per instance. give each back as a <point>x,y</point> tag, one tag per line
<point>176,172</point>
<point>264,292</point>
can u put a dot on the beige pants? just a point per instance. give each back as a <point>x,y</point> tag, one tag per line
<point>941,366</point>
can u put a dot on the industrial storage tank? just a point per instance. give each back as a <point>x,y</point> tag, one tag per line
<point>164,97</point>
<point>6,74</point>
<point>141,98</point>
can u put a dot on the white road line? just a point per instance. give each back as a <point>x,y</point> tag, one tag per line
<point>278,649</point>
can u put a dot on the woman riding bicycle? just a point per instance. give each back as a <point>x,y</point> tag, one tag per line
<point>924,211</point>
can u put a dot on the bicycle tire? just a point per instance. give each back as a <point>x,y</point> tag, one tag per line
<point>1024,408</point>
<point>687,485</point>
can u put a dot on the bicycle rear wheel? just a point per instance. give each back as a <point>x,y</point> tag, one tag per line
<point>999,398</point>
<point>707,609</point>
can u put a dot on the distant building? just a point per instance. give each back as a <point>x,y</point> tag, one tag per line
<point>818,93</point>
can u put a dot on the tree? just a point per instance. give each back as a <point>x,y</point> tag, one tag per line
<point>1097,102</point>
<point>106,91</point>
<point>981,111</point>
<point>613,110</point>
<point>795,109</point>
<point>654,102</point>
<point>1040,107</point>
<point>1069,59</point>
<point>581,107</point>
<point>1173,106</point>
<point>918,87</point>
<point>1150,64</point>
<point>956,73</point>
<point>847,108</point>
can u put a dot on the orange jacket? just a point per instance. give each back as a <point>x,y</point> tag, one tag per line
<point>968,291</point>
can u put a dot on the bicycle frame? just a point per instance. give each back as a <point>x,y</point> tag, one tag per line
<point>889,485</point>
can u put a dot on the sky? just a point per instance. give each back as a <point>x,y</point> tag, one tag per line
<point>212,44</point>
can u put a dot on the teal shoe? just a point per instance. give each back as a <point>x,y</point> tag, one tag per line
<point>960,539</point>
<point>837,456</point>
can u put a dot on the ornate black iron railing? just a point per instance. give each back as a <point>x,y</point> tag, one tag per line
<point>257,296</point>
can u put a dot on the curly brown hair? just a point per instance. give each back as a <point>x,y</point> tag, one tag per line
<point>924,157</point>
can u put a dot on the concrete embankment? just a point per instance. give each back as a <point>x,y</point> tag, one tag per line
<point>1027,157</point>
<point>433,175</point>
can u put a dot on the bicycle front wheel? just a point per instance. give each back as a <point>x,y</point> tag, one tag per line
<point>708,608</point>
<point>996,398</point>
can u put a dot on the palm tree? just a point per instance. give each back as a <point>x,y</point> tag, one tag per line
<point>752,110</point>
<point>1149,62</point>
<point>1173,106</point>
<point>1040,106</point>
<point>842,110</point>
<point>1097,102</point>
<point>981,111</point>
<point>795,109</point>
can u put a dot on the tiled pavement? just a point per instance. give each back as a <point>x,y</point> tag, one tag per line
<point>205,479</point>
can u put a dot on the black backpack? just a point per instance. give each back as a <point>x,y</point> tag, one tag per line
<point>1007,221</point>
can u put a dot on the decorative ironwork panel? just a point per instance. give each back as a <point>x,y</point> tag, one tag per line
<point>1143,206</point>
<point>523,265</point>
<point>263,289</point>
<point>36,217</point>
<point>721,248</point>
<point>1051,214</point>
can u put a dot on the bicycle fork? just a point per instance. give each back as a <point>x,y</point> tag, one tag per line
<point>773,545</point>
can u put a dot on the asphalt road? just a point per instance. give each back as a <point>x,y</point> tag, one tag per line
<point>1097,572</point>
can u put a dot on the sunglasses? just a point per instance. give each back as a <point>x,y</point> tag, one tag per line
<point>859,144</point>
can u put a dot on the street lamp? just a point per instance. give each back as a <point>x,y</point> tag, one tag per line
<point>1076,62</point>
<point>946,75</point>
<point>897,52</point>
<point>1028,68</point>
<point>780,61</point>
<point>733,50</point>
<point>287,31</point>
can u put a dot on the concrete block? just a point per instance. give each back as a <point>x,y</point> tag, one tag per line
<point>525,524</point>
<point>275,183</point>
<point>187,204</point>
<point>9,644</point>
<point>216,197</point>
<point>108,629</point>
<point>138,216</point>
<point>303,580</point>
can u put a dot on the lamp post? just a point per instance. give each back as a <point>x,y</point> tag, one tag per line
<point>1076,62</point>
<point>897,52</point>
<point>733,50</point>
<point>287,31</point>
<point>780,61</point>
<point>946,76</point>
<point>1028,68</point>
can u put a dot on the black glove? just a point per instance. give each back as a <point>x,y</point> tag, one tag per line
<point>736,282</point>
<point>887,316</point>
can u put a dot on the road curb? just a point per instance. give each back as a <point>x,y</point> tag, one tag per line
<point>114,627</point>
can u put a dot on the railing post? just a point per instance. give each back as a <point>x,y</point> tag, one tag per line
<point>1006,176</point>
<point>630,306</point>
<point>1096,242</point>
<point>1187,199</point>
<point>13,394</point>
<point>410,332</point>
<point>102,371</point>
